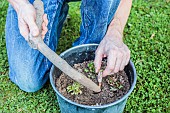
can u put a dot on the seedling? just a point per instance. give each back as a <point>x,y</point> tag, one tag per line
<point>90,65</point>
<point>110,81</point>
<point>86,70</point>
<point>90,75</point>
<point>90,70</point>
<point>74,89</point>
<point>114,84</point>
<point>113,88</point>
<point>118,85</point>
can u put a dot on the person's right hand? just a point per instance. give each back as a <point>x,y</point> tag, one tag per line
<point>27,21</point>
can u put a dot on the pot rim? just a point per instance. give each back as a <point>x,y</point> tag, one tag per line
<point>87,106</point>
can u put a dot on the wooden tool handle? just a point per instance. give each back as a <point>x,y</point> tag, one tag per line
<point>54,58</point>
<point>34,41</point>
<point>67,69</point>
<point>38,5</point>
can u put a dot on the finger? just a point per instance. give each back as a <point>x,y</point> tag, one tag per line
<point>98,60</point>
<point>43,36</point>
<point>110,63</point>
<point>43,25</point>
<point>44,28</point>
<point>127,55</point>
<point>33,26</point>
<point>104,55</point>
<point>123,63</point>
<point>118,62</point>
<point>45,19</point>
<point>23,27</point>
<point>44,32</point>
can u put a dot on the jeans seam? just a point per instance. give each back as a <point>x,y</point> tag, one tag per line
<point>86,26</point>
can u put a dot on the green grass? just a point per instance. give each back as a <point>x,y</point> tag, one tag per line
<point>147,34</point>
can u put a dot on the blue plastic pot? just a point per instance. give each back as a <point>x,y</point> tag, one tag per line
<point>79,54</point>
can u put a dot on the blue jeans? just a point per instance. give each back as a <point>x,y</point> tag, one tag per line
<point>28,68</point>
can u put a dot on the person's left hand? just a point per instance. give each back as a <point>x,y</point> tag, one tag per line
<point>115,50</point>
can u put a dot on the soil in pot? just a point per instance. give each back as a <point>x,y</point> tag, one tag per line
<point>113,86</point>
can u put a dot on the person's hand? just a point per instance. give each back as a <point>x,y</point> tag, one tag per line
<point>27,21</point>
<point>115,50</point>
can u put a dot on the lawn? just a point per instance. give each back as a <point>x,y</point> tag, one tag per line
<point>147,35</point>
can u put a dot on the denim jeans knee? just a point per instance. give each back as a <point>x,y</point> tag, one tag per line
<point>28,68</point>
<point>96,16</point>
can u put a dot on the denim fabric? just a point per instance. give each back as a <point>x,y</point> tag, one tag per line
<point>96,16</point>
<point>28,68</point>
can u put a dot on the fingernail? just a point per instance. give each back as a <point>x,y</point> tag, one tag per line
<point>96,70</point>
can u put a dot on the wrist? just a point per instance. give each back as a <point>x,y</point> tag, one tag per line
<point>114,32</point>
<point>116,25</point>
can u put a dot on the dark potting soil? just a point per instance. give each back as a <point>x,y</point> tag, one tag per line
<point>113,86</point>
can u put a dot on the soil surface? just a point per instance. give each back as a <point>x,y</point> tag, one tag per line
<point>113,86</point>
